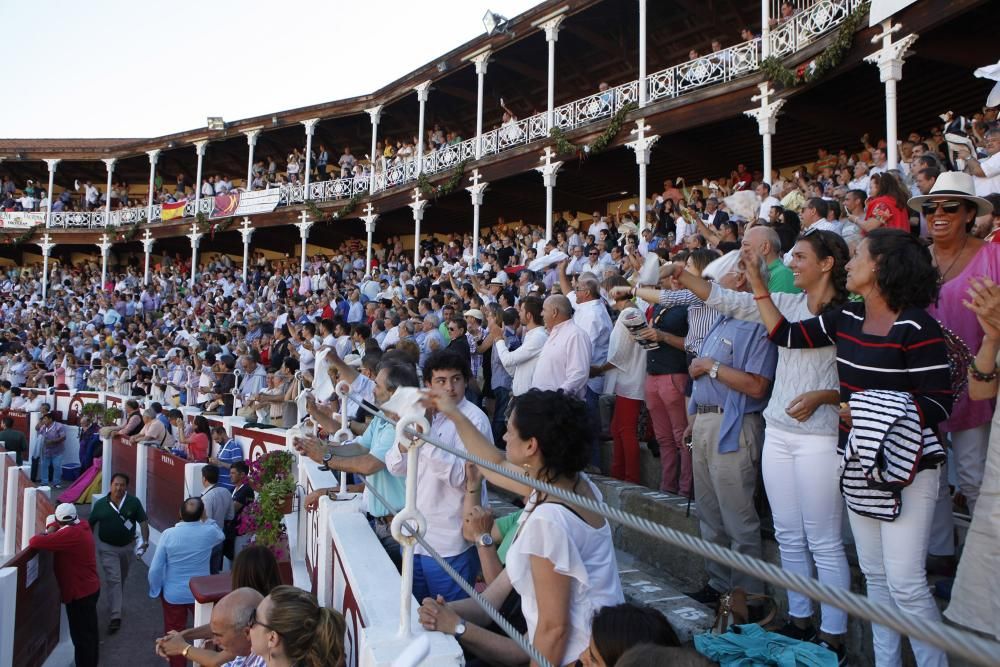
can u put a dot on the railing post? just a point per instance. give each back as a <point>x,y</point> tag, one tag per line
<point>107,465</point>
<point>410,515</point>
<point>154,155</point>
<point>10,512</point>
<point>422,91</point>
<point>199,147</point>
<point>765,29</point>
<point>52,163</point>
<point>643,87</point>
<point>310,126</point>
<point>29,514</point>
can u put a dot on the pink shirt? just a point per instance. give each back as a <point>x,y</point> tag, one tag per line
<point>950,312</point>
<point>564,362</point>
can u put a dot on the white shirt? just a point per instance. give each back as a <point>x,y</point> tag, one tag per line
<point>521,362</point>
<point>629,360</point>
<point>766,205</point>
<point>564,362</point>
<point>990,184</point>
<point>595,229</point>
<point>391,338</point>
<point>684,229</point>
<point>577,550</point>
<point>441,481</point>
<point>863,184</point>
<point>593,318</point>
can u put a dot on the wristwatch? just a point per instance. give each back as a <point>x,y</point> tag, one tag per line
<point>485,540</point>
<point>459,630</point>
<point>328,455</point>
<point>714,373</point>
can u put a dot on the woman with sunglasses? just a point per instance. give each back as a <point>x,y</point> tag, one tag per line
<point>887,342</point>
<point>289,628</point>
<point>951,208</point>
<point>800,459</point>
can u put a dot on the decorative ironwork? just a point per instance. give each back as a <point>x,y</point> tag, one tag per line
<point>805,27</point>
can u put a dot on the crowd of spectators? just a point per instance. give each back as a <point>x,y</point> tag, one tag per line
<point>739,327</point>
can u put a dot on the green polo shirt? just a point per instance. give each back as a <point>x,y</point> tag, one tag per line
<point>507,525</point>
<point>782,279</point>
<point>111,526</point>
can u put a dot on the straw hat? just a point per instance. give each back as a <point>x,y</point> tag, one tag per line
<point>954,185</point>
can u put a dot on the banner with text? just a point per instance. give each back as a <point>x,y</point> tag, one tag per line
<point>245,203</point>
<point>21,220</point>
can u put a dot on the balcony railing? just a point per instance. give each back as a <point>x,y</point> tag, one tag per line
<point>740,60</point>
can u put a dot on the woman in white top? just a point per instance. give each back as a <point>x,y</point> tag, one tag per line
<point>562,561</point>
<point>800,461</point>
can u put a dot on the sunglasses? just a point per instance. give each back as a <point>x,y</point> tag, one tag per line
<point>931,207</point>
<point>254,621</point>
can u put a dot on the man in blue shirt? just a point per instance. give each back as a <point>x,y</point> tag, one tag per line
<point>732,382</point>
<point>184,551</point>
<point>378,438</point>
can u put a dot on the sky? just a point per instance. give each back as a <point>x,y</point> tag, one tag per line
<point>107,68</point>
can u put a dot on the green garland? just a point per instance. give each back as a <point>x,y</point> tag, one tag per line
<point>200,219</point>
<point>127,234</point>
<point>454,181</point>
<point>20,239</point>
<point>348,207</point>
<point>825,62</point>
<point>600,143</point>
<point>221,226</point>
<point>314,210</point>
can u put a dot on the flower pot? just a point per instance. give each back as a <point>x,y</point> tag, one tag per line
<point>286,504</point>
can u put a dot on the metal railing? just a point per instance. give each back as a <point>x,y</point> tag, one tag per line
<point>734,62</point>
<point>952,640</point>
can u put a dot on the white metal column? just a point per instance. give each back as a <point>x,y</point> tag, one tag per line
<point>147,250</point>
<point>642,145</point>
<point>304,225</point>
<point>422,91</point>
<point>369,217</point>
<point>766,116</point>
<point>199,147</point>
<point>765,29</point>
<point>889,59</point>
<point>643,85</point>
<point>310,126</point>
<point>551,28</point>
<point>548,172</point>
<point>417,206</point>
<point>105,247</point>
<point>476,191</point>
<point>52,198</point>
<point>109,163</point>
<point>46,245</point>
<point>154,155</point>
<point>195,237</point>
<point>246,230</point>
<point>374,113</point>
<point>481,61</point>
<point>251,144</point>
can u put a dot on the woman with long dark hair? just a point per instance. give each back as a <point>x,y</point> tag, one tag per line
<point>892,359</point>
<point>887,204</point>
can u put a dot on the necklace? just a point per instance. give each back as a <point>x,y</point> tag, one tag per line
<point>944,274</point>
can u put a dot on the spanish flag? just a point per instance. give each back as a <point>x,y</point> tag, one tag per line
<point>172,211</point>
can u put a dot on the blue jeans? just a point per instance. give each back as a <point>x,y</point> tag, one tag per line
<point>594,417</point>
<point>501,399</point>
<point>429,580</point>
<point>56,461</point>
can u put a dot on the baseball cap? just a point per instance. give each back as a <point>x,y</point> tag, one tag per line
<point>66,513</point>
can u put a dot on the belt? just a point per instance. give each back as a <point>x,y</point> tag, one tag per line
<point>706,409</point>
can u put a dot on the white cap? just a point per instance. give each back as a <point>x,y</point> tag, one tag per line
<point>66,513</point>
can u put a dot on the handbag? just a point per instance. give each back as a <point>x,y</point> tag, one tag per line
<point>733,610</point>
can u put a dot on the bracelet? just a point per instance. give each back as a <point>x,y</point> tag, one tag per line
<point>761,297</point>
<point>980,376</point>
<point>187,648</point>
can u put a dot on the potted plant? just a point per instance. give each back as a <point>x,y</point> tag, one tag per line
<point>95,411</point>
<point>263,519</point>
<point>111,415</point>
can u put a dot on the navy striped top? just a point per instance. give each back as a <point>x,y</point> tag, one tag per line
<point>912,358</point>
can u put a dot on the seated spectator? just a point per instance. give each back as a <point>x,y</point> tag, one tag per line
<point>292,630</point>
<point>614,630</point>
<point>229,630</point>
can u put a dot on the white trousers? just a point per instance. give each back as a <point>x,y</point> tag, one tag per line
<point>801,475</point>
<point>892,555</point>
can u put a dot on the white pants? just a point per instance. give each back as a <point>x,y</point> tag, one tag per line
<point>801,475</point>
<point>892,555</point>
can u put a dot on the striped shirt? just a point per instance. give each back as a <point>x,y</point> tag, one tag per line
<point>911,358</point>
<point>886,449</point>
<point>701,318</point>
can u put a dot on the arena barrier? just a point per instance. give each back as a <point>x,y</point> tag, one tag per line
<point>30,602</point>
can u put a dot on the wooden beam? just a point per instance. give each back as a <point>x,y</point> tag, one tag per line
<point>455,91</point>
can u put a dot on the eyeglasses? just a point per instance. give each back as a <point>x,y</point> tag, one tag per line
<point>593,254</point>
<point>932,207</point>
<point>253,621</point>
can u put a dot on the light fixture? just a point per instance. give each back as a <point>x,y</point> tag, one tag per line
<point>442,66</point>
<point>494,22</point>
<point>274,121</point>
<point>216,123</point>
